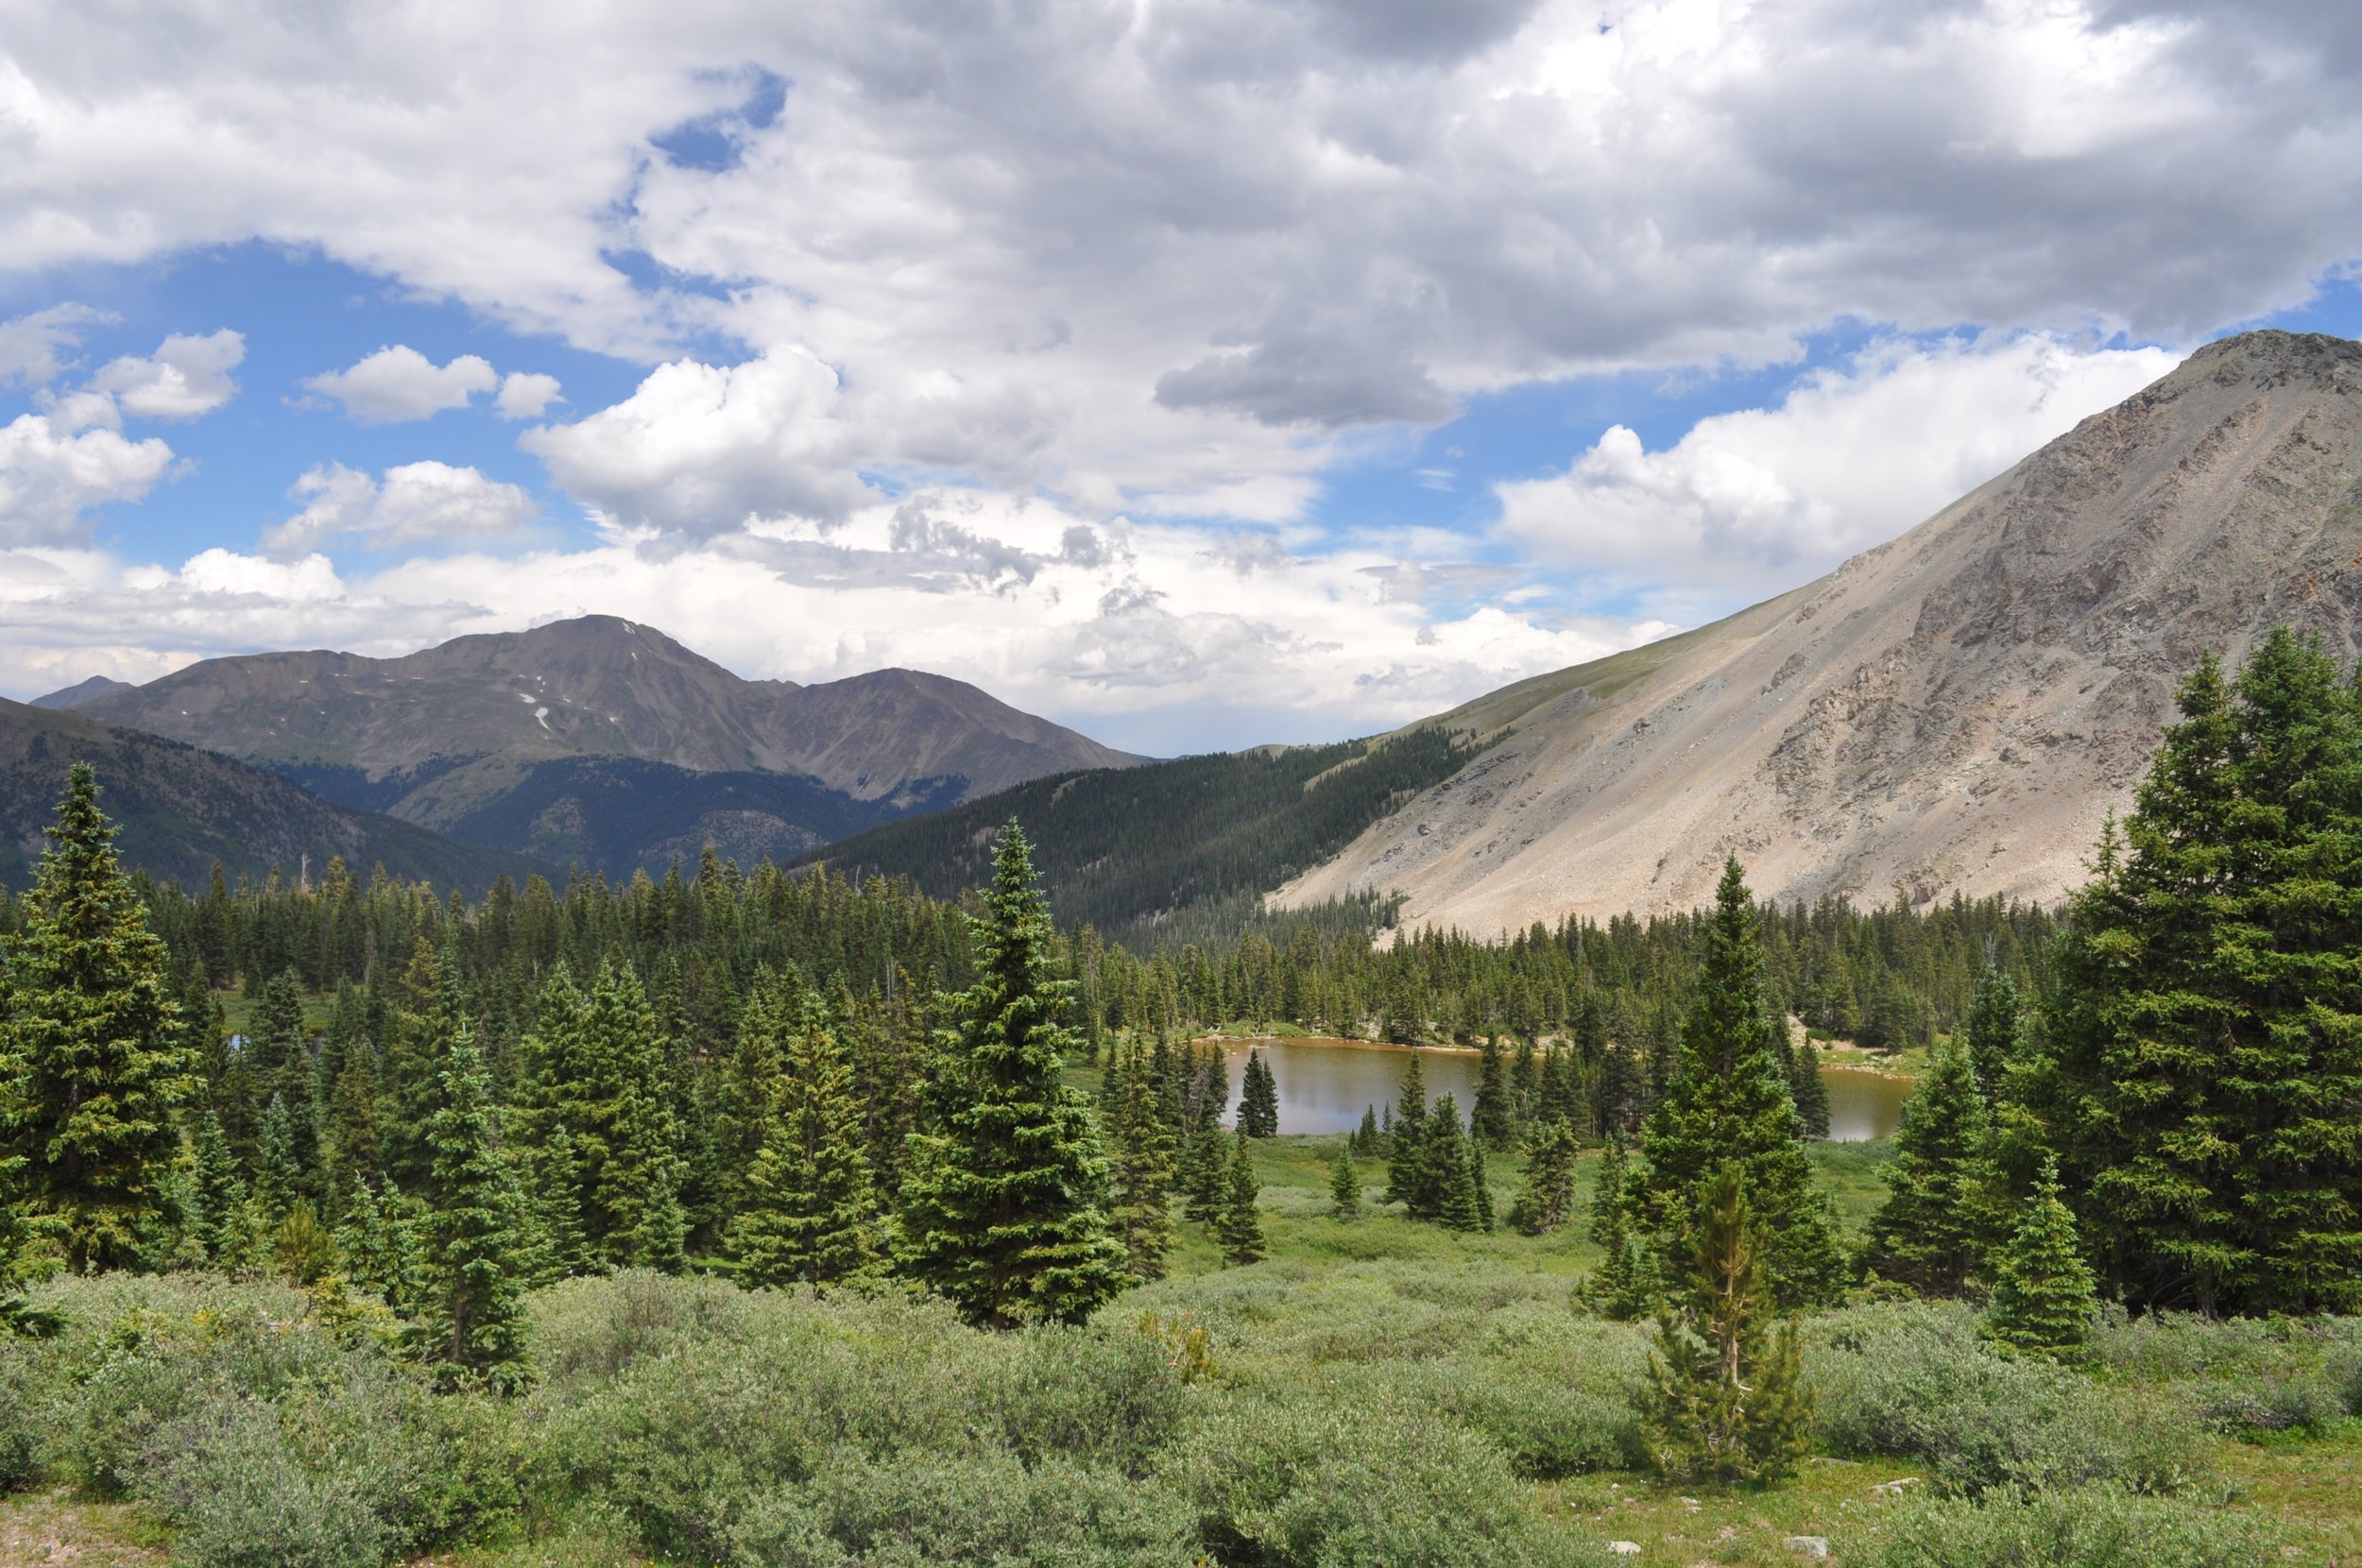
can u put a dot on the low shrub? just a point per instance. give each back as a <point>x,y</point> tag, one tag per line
<point>982,1508</point>
<point>1917,1380</point>
<point>1315,1478</point>
<point>2081,1527</point>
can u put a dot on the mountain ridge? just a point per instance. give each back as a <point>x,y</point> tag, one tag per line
<point>443,736</point>
<point>1956,710</point>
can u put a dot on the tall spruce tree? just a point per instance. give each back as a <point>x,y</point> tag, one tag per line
<point>1001,1209</point>
<point>2042,1293</point>
<point>217,1193</point>
<point>1729,1400</point>
<point>1455,1205</point>
<point>1925,1235</point>
<point>2204,1048</point>
<point>94,1041</point>
<point>1727,1100</point>
<point>472,1329</point>
<point>1495,1114</point>
<point>810,1212</point>
<point>1259,1099</point>
<point>1995,1029</point>
<point>1412,1178</point>
<point>1238,1228</point>
<point>1811,1093</point>
<point>1140,1164</point>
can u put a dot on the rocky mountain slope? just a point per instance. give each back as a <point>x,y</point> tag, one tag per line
<point>1959,708</point>
<point>458,737</point>
<point>178,810</point>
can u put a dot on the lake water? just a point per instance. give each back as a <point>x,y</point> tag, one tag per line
<point>1326,1084</point>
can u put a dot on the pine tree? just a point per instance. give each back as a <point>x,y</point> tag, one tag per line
<point>810,1218</point>
<point>1345,1183</point>
<point>1727,1098</point>
<point>1447,1162</point>
<point>1494,1116</point>
<point>1259,1099</point>
<point>215,1194</point>
<point>1925,1234</point>
<point>2042,1293</point>
<point>1811,1093</point>
<point>1240,1228</point>
<point>1411,1179</point>
<point>1002,1206</point>
<point>472,1327</point>
<point>377,1248</point>
<point>1365,1137</point>
<point>1205,1173</point>
<point>1141,1165</point>
<point>552,1177</point>
<point>1625,1284</point>
<point>278,1181</point>
<point>1730,1402</point>
<point>95,1044</point>
<point>752,1078</point>
<point>1547,1196</point>
<point>1994,1028</point>
<point>2205,1047</point>
<point>636,1186</point>
<point>280,1047</point>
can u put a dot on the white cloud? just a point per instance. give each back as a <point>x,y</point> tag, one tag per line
<point>1764,499</point>
<point>418,504</point>
<point>524,395</point>
<point>187,376</point>
<point>29,345</point>
<point>702,448</point>
<point>397,383</point>
<point>1205,237</point>
<point>50,476</point>
<point>1101,624</point>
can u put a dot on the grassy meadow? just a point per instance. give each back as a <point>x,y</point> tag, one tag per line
<point>1376,1393</point>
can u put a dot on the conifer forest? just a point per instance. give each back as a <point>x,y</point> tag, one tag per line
<point>754,1214</point>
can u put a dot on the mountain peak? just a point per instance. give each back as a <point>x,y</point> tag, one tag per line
<point>80,693</point>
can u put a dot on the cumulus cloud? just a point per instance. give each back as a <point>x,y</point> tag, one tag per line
<point>187,376</point>
<point>31,345</point>
<point>1205,237</point>
<point>703,447</point>
<point>525,395</point>
<point>1851,457</point>
<point>397,383</point>
<point>425,504</point>
<point>50,476</point>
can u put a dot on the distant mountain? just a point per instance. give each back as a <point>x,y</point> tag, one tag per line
<point>521,740</point>
<point>83,691</point>
<point>181,809</point>
<point>1957,709</point>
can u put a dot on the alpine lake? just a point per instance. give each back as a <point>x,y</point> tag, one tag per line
<point>1325,1084</point>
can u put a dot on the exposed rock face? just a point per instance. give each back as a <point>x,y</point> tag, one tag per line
<point>444,733</point>
<point>1960,709</point>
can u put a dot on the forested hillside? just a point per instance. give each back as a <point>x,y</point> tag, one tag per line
<point>1126,848</point>
<point>182,810</point>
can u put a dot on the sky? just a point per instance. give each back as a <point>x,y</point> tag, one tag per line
<point>1198,373</point>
